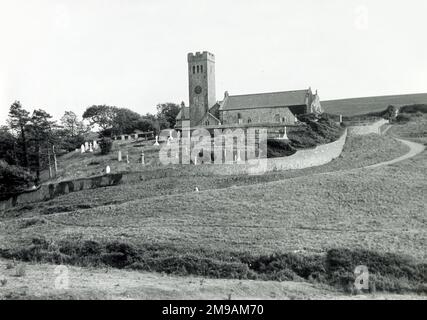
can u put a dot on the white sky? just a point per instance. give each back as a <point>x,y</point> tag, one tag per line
<point>66,55</point>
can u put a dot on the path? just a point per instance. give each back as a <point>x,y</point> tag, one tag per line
<point>414,149</point>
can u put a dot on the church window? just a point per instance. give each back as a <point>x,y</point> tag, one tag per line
<point>194,69</point>
<point>277,118</point>
<point>249,120</point>
<point>201,69</point>
<point>197,69</point>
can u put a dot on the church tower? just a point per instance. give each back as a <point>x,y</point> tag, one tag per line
<point>201,84</point>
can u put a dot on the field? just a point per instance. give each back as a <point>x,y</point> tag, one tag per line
<point>357,106</point>
<point>278,226</point>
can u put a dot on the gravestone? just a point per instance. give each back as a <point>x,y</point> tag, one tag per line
<point>95,145</point>
<point>127,158</point>
<point>142,158</point>
<point>90,147</point>
<point>86,146</point>
<point>119,157</point>
<point>107,170</point>
<point>285,136</point>
<point>157,141</point>
<point>170,134</point>
<point>82,149</point>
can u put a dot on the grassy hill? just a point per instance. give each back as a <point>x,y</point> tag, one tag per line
<point>297,225</point>
<point>356,106</point>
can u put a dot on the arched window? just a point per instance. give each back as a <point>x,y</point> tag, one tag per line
<point>249,120</point>
<point>277,118</point>
<point>197,69</point>
<point>194,69</point>
<point>201,69</point>
<point>239,118</point>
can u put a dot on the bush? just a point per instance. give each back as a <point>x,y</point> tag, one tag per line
<point>403,118</point>
<point>13,180</point>
<point>414,108</point>
<point>279,148</point>
<point>106,144</point>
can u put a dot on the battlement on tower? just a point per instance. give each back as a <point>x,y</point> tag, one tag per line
<point>200,56</point>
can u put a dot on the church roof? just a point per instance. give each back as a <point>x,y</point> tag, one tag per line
<point>186,114</point>
<point>266,100</point>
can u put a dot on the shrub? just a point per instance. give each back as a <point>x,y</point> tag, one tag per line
<point>106,144</point>
<point>13,180</point>
<point>414,108</point>
<point>279,148</point>
<point>403,118</point>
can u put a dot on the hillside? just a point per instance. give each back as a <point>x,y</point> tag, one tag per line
<point>356,106</point>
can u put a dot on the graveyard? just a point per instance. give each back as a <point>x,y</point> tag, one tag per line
<point>193,224</point>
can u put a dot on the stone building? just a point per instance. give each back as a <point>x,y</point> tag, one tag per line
<point>262,108</point>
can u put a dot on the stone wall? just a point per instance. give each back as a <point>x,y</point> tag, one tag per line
<point>317,156</point>
<point>53,190</point>
<point>362,128</point>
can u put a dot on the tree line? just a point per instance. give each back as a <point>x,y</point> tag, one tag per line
<point>30,142</point>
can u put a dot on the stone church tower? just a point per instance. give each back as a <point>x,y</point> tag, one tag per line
<point>201,77</point>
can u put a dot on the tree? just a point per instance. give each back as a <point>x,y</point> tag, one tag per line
<point>18,121</point>
<point>41,137</point>
<point>7,146</point>
<point>125,121</point>
<point>72,125</point>
<point>71,136</point>
<point>166,114</point>
<point>100,115</point>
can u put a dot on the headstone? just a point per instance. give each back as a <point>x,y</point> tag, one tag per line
<point>285,136</point>
<point>142,157</point>
<point>119,157</point>
<point>170,134</point>
<point>123,137</point>
<point>95,145</point>
<point>90,147</point>
<point>82,149</point>
<point>340,118</point>
<point>127,159</point>
<point>136,136</point>
<point>157,141</point>
<point>86,146</point>
<point>107,170</point>
<point>195,160</point>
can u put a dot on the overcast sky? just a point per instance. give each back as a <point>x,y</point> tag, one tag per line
<point>66,55</point>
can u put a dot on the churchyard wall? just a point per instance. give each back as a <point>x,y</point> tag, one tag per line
<point>363,128</point>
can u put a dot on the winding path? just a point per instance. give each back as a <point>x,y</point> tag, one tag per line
<point>414,149</point>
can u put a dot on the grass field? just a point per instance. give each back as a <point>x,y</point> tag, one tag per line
<point>228,228</point>
<point>357,106</point>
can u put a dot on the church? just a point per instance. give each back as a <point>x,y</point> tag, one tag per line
<point>238,110</point>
